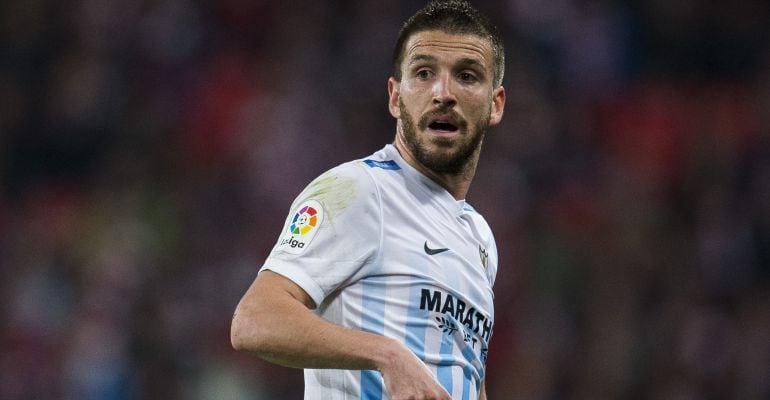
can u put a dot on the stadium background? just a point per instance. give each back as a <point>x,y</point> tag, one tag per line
<point>149,151</point>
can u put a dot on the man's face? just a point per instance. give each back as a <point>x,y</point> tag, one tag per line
<point>446,99</point>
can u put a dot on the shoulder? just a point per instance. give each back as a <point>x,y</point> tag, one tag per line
<point>343,188</point>
<point>354,187</point>
<point>354,178</point>
<point>347,180</point>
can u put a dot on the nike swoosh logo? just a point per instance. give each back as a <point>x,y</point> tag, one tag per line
<point>432,252</point>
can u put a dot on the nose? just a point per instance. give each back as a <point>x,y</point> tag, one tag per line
<point>443,92</point>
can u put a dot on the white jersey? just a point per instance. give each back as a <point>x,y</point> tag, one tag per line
<point>382,248</point>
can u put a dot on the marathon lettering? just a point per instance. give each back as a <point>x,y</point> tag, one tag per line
<point>292,242</point>
<point>439,302</point>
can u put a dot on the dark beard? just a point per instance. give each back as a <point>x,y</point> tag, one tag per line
<point>453,163</point>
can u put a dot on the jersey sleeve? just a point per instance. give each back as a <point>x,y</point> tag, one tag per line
<point>332,233</point>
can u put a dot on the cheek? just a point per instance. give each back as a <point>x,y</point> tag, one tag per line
<point>410,97</point>
<point>481,108</point>
<point>410,104</point>
<point>416,91</point>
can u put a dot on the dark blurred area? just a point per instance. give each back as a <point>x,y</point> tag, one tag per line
<point>149,152</point>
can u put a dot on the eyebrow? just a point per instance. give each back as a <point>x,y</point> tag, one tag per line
<point>421,57</point>
<point>466,62</point>
<point>471,62</point>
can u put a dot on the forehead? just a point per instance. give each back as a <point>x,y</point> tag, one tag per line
<point>442,44</point>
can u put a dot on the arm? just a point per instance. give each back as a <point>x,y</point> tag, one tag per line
<point>483,391</point>
<point>274,321</point>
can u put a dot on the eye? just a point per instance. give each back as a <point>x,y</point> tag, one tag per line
<point>467,77</point>
<point>424,74</point>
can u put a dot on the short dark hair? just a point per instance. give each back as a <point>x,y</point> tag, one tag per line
<point>455,17</point>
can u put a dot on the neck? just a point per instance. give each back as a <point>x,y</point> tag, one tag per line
<point>457,184</point>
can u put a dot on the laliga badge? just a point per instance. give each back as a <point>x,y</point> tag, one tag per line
<point>302,227</point>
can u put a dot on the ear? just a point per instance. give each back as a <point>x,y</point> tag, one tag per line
<point>498,104</point>
<point>394,90</point>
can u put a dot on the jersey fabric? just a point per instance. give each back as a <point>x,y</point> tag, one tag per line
<point>382,248</point>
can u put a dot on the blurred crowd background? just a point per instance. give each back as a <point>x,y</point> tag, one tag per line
<point>149,152</point>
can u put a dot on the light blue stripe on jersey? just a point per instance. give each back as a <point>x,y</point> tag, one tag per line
<point>415,339</point>
<point>466,385</point>
<point>444,371</point>
<point>415,324</point>
<point>468,372</point>
<point>373,320</point>
<point>371,385</point>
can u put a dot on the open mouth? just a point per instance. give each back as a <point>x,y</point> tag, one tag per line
<point>443,126</point>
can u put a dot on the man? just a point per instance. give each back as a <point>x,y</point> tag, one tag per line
<point>380,284</point>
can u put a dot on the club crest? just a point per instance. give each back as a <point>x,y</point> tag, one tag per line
<point>484,255</point>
